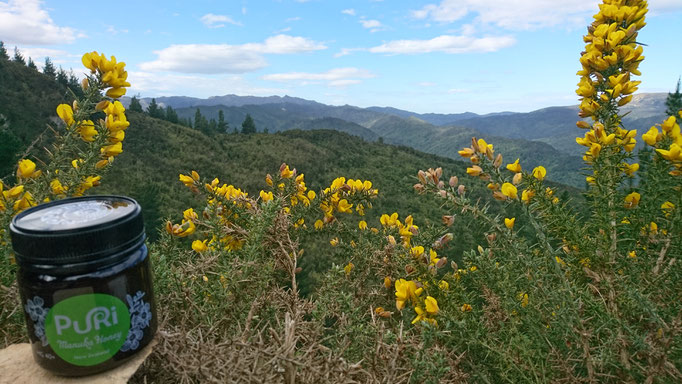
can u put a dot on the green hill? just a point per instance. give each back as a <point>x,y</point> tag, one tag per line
<point>409,131</point>
<point>28,100</point>
<point>156,151</point>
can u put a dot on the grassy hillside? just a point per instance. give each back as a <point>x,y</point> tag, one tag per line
<point>414,132</point>
<point>27,103</point>
<point>155,152</point>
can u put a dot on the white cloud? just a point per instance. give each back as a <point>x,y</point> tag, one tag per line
<point>446,44</point>
<point>155,84</point>
<point>457,90</point>
<point>337,77</point>
<point>26,22</point>
<point>39,54</point>
<point>112,30</point>
<point>511,14</point>
<point>349,11</point>
<point>370,23</point>
<point>282,44</point>
<point>205,58</point>
<point>225,58</point>
<point>344,83</point>
<point>347,51</point>
<point>217,21</point>
<point>292,19</point>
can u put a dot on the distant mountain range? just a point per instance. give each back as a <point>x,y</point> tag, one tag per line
<point>545,136</point>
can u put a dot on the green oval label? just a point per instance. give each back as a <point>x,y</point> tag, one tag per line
<point>87,329</point>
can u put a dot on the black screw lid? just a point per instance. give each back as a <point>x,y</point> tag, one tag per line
<point>79,232</point>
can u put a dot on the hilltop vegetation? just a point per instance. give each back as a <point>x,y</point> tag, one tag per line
<point>156,151</point>
<point>496,276</point>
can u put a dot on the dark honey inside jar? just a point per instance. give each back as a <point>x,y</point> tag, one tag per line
<point>85,282</point>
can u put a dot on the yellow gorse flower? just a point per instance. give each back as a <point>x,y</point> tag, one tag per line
<point>523,297</point>
<point>510,191</point>
<point>509,223</point>
<point>26,169</point>
<point>632,200</point>
<point>199,246</point>
<point>110,72</point>
<point>348,268</point>
<point>431,305</point>
<point>57,187</point>
<point>539,173</point>
<point>266,196</point>
<point>611,56</point>
<point>514,167</point>
<point>406,291</point>
<point>65,113</point>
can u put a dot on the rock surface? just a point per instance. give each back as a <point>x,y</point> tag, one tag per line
<point>17,366</point>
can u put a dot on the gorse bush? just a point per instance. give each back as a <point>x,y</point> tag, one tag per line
<point>550,294</point>
<point>84,147</point>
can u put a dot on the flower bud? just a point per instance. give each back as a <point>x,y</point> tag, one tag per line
<point>497,195</point>
<point>84,83</point>
<point>582,124</point>
<point>474,144</point>
<point>489,153</point>
<point>102,105</point>
<point>441,262</point>
<point>453,181</point>
<point>460,190</point>
<point>422,176</point>
<point>448,220</point>
<point>517,178</point>
<point>498,161</point>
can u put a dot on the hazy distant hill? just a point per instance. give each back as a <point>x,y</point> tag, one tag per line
<point>411,131</point>
<point>435,118</point>
<point>545,136</point>
<point>226,100</point>
<point>556,125</point>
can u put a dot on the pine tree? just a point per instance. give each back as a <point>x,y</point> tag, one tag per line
<point>49,69</point>
<point>153,109</point>
<point>200,122</point>
<point>18,57</point>
<point>31,64</point>
<point>62,77</point>
<point>248,126</point>
<point>135,104</point>
<point>171,115</point>
<point>223,126</point>
<point>3,52</point>
<point>74,84</point>
<point>673,102</point>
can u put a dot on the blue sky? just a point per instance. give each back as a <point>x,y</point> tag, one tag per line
<point>444,56</point>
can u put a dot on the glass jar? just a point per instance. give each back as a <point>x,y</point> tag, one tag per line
<point>85,282</point>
